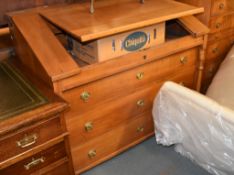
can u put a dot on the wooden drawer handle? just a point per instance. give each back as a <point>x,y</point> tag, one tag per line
<point>92,154</point>
<point>34,163</point>
<point>89,126</point>
<point>141,103</point>
<point>140,75</point>
<point>221,6</point>
<point>183,59</point>
<point>140,129</point>
<point>85,96</point>
<point>27,141</point>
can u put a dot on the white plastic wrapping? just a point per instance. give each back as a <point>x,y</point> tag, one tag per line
<point>201,129</point>
<point>222,86</point>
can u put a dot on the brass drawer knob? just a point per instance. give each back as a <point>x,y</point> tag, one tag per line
<point>221,6</point>
<point>89,126</point>
<point>218,25</point>
<point>140,103</point>
<point>215,50</point>
<point>140,75</point>
<point>140,129</point>
<point>183,59</point>
<point>27,141</point>
<point>85,96</point>
<point>34,163</point>
<point>182,83</point>
<point>92,154</point>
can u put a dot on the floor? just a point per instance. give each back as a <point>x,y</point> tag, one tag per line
<point>148,158</point>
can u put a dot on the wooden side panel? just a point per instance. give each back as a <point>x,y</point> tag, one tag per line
<point>204,17</point>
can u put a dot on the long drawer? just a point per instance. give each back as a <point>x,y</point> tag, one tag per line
<point>225,34</point>
<point>37,161</point>
<point>109,144</point>
<point>221,23</point>
<point>220,7</point>
<point>88,96</point>
<point>218,49</point>
<point>27,138</point>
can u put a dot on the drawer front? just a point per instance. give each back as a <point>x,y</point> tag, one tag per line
<point>86,97</point>
<point>112,142</point>
<point>37,161</point>
<point>211,68</point>
<point>219,7</point>
<point>218,49</point>
<point>28,138</point>
<point>221,23</point>
<point>225,34</point>
<point>60,170</point>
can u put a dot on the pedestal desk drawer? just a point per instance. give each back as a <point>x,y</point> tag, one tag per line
<point>37,161</point>
<point>221,23</point>
<point>28,138</point>
<point>100,148</point>
<point>60,170</point>
<point>105,117</point>
<point>86,97</point>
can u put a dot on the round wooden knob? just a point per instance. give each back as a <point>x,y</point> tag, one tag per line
<point>221,6</point>
<point>218,25</point>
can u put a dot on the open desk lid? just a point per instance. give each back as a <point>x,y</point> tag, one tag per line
<point>115,16</point>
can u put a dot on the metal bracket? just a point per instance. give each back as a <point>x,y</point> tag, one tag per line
<point>92,5</point>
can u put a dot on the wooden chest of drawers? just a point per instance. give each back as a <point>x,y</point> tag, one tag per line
<point>219,17</point>
<point>111,101</point>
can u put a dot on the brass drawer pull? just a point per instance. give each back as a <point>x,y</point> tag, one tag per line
<point>85,96</point>
<point>27,141</point>
<point>92,154</point>
<point>182,83</point>
<point>89,126</point>
<point>140,75</point>
<point>183,59</point>
<point>140,129</point>
<point>215,50</point>
<point>218,25</point>
<point>34,163</point>
<point>221,6</point>
<point>140,103</point>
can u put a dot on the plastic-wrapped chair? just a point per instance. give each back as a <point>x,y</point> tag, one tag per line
<point>201,127</point>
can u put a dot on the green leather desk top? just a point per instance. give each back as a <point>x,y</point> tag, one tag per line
<point>16,94</point>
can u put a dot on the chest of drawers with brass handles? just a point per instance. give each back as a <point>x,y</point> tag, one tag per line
<point>219,17</point>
